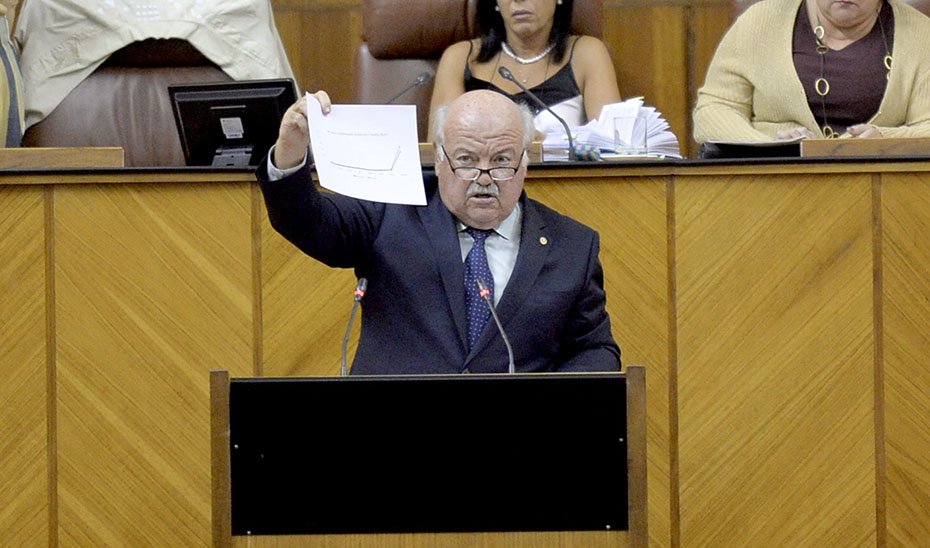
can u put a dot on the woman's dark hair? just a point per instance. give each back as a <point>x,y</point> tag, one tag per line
<point>490,24</point>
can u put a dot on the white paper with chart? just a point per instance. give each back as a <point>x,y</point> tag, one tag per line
<point>369,152</point>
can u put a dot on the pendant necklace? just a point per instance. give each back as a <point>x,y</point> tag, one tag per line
<point>822,85</point>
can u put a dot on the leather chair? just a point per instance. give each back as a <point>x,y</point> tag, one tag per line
<point>401,39</point>
<point>125,103</point>
<point>739,6</point>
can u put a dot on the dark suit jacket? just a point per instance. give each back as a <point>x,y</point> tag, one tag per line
<point>413,314</point>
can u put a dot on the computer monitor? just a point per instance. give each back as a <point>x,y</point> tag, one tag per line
<point>230,124</point>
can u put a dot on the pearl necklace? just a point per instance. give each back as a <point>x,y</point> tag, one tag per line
<point>522,60</point>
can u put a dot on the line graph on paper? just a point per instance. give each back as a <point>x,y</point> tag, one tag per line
<point>379,161</point>
<point>368,151</point>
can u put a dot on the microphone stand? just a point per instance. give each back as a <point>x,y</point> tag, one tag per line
<point>421,79</point>
<point>485,294</point>
<point>359,293</point>
<point>572,153</point>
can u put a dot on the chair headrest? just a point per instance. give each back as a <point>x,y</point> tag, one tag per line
<point>425,28</point>
<point>415,28</point>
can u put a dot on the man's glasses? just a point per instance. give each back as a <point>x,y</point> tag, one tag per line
<point>473,173</point>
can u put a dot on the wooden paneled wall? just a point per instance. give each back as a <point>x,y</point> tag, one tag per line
<point>24,400</point>
<point>661,48</point>
<point>780,310</point>
<point>115,302</point>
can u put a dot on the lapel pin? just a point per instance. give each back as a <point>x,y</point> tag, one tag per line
<point>543,240</point>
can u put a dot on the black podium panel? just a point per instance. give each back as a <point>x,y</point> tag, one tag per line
<point>428,454</point>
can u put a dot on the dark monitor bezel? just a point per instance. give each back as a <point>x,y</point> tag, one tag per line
<point>260,105</point>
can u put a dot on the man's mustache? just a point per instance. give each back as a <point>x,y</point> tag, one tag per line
<point>476,189</point>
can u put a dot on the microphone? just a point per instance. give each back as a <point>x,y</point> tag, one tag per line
<point>420,80</point>
<point>485,294</point>
<point>572,151</point>
<point>359,293</point>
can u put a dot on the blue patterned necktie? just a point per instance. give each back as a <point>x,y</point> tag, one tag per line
<point>476,266</point>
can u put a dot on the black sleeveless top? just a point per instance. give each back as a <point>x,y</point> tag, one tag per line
<point>557,88</point>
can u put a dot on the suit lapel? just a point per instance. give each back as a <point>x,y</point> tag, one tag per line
<point>440,229</point>
<point>530,260</point>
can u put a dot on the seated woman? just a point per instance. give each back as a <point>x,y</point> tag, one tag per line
<point>571,74</point>
<point>816,69</point>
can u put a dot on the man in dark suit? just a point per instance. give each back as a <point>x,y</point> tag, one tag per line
<point>421,313</point>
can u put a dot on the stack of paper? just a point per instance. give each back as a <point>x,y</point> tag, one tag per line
<point>599,133</point>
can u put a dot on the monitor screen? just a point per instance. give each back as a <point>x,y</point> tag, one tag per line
<point>230,124</point>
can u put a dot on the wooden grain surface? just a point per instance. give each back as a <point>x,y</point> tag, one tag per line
<point>23,427</point>
<point>913,146</point>
<point>906,337</point>
<point>40,158</point>
<point>153,291</point>
<point>786,385</point>
<point>775,348</point>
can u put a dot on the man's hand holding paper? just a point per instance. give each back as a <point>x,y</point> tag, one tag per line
<point>364,151</point>
<point>294,136</point>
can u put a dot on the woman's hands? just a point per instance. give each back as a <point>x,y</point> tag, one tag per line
<point>794,133</point>
<point>861,131</point>
<point>864,131</point>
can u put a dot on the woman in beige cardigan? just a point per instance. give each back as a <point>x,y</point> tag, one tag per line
<point>819,68</point>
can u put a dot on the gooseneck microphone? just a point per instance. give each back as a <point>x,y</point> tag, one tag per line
<point>360,289</point>
<point>485,294</point>
<point>420,80</point>
<point>572,153</point>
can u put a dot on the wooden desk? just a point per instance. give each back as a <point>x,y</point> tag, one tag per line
<point>42,158</point>
<point>866,147</point>
<point>781,309</point>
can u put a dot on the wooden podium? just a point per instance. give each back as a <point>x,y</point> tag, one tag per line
<point>466,460</point>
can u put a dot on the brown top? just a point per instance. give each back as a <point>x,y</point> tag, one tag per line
<point>856,73</point>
